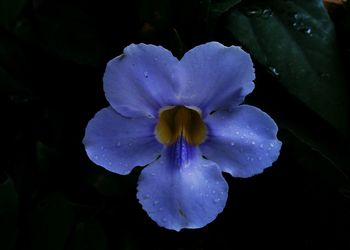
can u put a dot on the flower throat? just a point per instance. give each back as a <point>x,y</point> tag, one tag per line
<point>179,121</point>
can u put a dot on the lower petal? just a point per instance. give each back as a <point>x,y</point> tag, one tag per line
<point>181,189</point>
<point>242,142</point>
<point>119,144</point>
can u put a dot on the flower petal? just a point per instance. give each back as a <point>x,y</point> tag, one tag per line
<point>216,77</point>
<point>242,142</point>
<point>189,195</point>
<point>141,81</point>
<point>118,143</point>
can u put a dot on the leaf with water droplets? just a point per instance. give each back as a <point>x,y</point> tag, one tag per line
<point>295,41</point>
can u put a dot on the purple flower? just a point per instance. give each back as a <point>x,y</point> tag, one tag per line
<point>189,113</point>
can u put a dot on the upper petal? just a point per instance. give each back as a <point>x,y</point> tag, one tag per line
<point>141,80</point>
<point>189,193</point>
<point>216,77</point>
<point>118,143</point>
<point>242,142</point>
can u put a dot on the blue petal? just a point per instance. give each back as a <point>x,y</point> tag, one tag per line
<point>118,143</point>
<point>181,189</point>
<point>242,142</point>
<point>141,81</point>
<point>216,77</point>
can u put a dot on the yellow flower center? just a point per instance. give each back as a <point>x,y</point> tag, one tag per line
<point>180,121</point>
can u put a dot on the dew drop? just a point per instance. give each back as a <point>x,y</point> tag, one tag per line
<point>217,200</point>
<point>273,71</point>
<point>266,13</point>
<point>252,12</point>
<point>237,133</point>
<point>155,203</point>
<point>145,74</point>
<point>232,143</point>
<point>272,145</point>
<point>253,142</point>
<point>109,163</point>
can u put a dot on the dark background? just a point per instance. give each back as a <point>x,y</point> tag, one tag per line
<point>52,59</point>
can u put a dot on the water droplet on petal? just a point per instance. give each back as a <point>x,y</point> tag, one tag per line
<point>232,143</point>
<point>109,163</point>
<point>145,74</point>
<point>155,203</point>
<point>237,133</point>
<point>217,200</point>
<point>272,145</point>
<point>253,142</point>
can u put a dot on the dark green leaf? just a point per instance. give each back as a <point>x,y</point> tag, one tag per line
<point>217,8</point>
<point>46,156</point>
<point>8,214</point>
<point>295,41</point>
<point>9,11</point>
<point>317,159</point>
<point>89,236</point>
<point>52,221</point>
